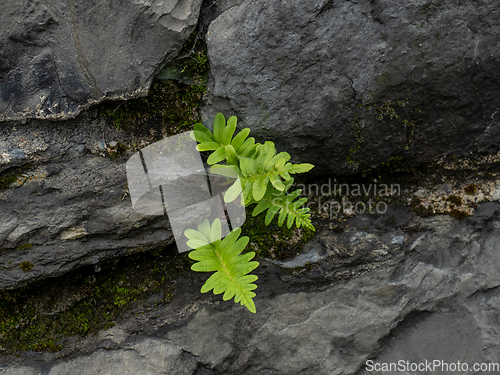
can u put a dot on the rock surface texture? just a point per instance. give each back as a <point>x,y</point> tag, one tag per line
<point>68,205</point>
<point>326,79</point>
<point>58,58</point>
<point>417,289</point>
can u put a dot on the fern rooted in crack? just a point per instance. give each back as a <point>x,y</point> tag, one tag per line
<point>224,257</point>
<point>264,174</point>
<point>264,178</point>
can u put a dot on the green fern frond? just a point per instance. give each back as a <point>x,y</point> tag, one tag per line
<point>286,205</point>
<point>260,168</point>
<point>221,138</point>
<point>266,166</point>
<point>263,177</point>
<point>223,256</point>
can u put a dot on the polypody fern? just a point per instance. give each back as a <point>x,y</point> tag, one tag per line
<point>264,179</point>
<point>223,256</point>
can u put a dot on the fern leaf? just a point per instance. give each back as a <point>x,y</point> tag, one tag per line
<point>301,168</point>
<point>287,205</point>
<point>198,127</point>
<point>228,131</point>
<point>217,156</point>
<point>247,149</point>
<point>207,146</point>
<point>223,257</point>
<point>233,192</point>
<point>240,138</point>
<point>263,177</point>
<point>222,137</point>
<point>264,166</point>
<point>219,125</point>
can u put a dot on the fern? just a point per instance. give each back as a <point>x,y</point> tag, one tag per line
<point>286,206</point>
<point>261,170</point>
<point>264,179</point>
<point>223,256</point>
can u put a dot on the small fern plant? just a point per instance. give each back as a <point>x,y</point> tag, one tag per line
<point>264,181</point>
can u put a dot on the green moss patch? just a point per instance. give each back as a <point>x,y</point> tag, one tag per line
<point>394,115</point>
<point>26,266</point>
<point>11,175</point>
<point>273,241</point>
<point>25,246</point>
<point>454,200</point>
<point>173,103</point>
<point>458,214</point>
<point>43,315</point>
<point>171,107</point>
<point>471,189</point>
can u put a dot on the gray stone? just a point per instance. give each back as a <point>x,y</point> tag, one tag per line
<point>148,357</point>
<point>70,207</point>
<point>303,74</point>
<point>434,296</point>
<point>58,58</point>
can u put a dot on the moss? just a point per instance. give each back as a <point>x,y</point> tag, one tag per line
<point>11,175</point>
<point>393,165</point>
<point>420,209</point>
<point>191,64</point>
<point>457,214</point>
<point>116,151</point>
<point>358,135</point>
<point>6,181</point>
<point>33,318</point>
<point>395,113</point>
<point>172,105</point>
<point>25,246</point>
<point>471,189</point>
<point>454,200</point>
<point>387,109</point>
<point>454,212</point>
<point>26,266</point>
<point>273,241</point>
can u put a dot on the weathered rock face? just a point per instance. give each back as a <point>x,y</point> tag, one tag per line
<point>315,77</point>
<point>58,57</point>
<point>414,290</point>
<point>69,206</point>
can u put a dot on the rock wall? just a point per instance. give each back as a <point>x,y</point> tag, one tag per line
<point>326,79</point>
<point>295,73</point>
<point>414,290</point>
<point>343,85</point>
<point>58,58</point>
<point>68,204</point>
